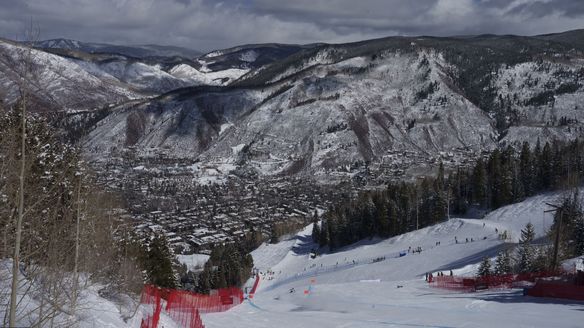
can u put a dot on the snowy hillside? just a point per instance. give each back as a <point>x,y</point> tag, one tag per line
<point>249,57</point>
<point>138,51</point>
<point>395,105</point>
<point>94,310</point>
<point>60,82</point>
<point>193,76</point>
<point>67,78</point>
<point>352,288</point>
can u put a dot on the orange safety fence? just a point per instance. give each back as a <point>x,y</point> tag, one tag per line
<point>184,307</point>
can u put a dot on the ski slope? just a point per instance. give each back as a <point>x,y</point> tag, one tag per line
<point>369,285</point>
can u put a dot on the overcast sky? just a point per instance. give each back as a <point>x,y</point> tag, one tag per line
<point>206,24</point>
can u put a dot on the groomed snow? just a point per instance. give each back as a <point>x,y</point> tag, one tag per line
<point>392,292</point>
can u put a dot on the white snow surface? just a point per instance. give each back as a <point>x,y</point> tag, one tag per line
<point>190,74</point>
<point>392,292</point>
<point>249,56</point>
<point>92,310</point>
<point>194,262</point>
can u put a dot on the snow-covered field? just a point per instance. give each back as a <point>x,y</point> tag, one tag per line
<point>392,292</point>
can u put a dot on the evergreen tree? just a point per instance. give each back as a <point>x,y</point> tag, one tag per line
<point>228,266</point>
<point>546,165</point>
<point>274,235</point>
<point>507,178</point>
<point>440,178</point>
<point>315,229</point>
<point>485,267</point>
<point>158,263</point>
<point>479,188</point>
<point>503,263</point>
<point>383,221</point>
<point>439,207</point>
<point>571,239</point>
<point>537,182</point>
<point>324,238</point>
<point>526,169</point>
<point>579,232</point>
<point>526,252</point>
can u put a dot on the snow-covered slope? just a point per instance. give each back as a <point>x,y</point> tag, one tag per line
<point>59,82</point>
<point>93,310</point>
<point>394,105</point>
<point>327,119</point>
<point>350,288</point>
<point>196,77</point>
<point>138,51</point>
<point>252,56</point>
<point>66,78</point>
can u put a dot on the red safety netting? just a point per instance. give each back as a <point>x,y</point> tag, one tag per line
<point>557,290</point>
<point>255,286</point>
<point>183,310</point>
<point>184,307</point>
<point>151,302</point>
<point>468,284</point>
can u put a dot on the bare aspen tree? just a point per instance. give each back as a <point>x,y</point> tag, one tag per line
<point>61,231</point>
<point>31,36</point>
<point>76,260</point>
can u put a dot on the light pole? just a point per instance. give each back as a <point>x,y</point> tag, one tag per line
<point>556,208</point>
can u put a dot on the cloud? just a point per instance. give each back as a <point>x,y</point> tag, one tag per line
<point>212,24</point>
<point>539,9</point>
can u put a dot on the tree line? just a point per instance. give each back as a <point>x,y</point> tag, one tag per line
<point>506,176</point>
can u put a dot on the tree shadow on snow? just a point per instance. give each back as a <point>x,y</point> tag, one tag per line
<point>304,245</point>
<point>472,259</point>
<point>518,297</point>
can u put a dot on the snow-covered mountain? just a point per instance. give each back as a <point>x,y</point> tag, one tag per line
<point>137,51</point>
<point>331,108</point>
<point>382,105</point>
<point>58,82</point>
<point>73,76</point>
<point>250,56</point>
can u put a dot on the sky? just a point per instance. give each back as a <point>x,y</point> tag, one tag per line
<point>206,25</point>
